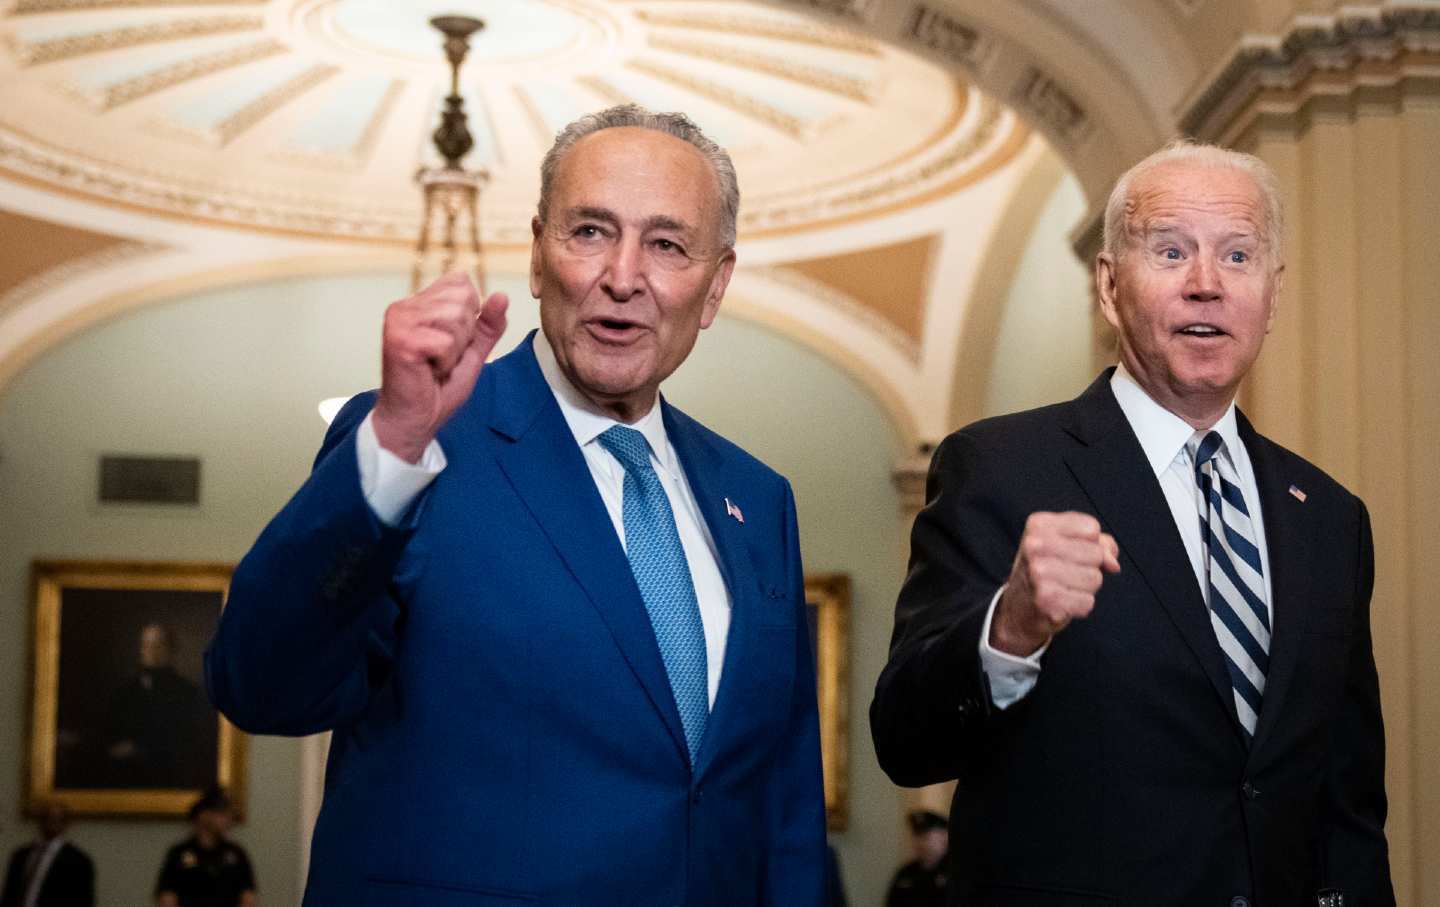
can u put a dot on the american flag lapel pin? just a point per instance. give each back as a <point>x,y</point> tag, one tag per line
<point>1297,493</point>
<point>734,511</point>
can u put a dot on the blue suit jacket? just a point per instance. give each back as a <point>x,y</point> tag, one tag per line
<point>504,729</point>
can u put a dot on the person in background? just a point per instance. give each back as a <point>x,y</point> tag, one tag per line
<point>923,881</point>
<point>51,872</point>
<point>207,869</point>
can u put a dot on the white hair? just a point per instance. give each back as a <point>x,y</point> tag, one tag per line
<point>1185,151</point>
<point>674,124</point>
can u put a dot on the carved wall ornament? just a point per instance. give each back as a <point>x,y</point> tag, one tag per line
<point>946,36</point>
<point>859,10</point>
<point>1054,107</point>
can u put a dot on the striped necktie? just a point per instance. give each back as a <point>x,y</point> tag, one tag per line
<point>657,559</point>
<point>1235,577</point>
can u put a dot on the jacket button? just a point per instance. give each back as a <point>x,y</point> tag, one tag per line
<point>1239,901</point>
<point>1251,793</point>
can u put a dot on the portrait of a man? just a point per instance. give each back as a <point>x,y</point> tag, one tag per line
<point>121,722</point>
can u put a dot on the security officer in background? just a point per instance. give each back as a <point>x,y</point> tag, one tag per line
<point>206,869</point>
<point>922,881</point>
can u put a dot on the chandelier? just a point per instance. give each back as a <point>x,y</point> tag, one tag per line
<point>450,223</point>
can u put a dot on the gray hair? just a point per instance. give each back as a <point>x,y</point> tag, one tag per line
<point>675,124</point>
<point>1185,151</point>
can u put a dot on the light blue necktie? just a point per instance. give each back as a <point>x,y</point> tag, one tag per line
<point>657,559</point>
<point>1236,577</point>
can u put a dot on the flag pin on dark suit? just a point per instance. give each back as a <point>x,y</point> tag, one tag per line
<point>1297,494</point>
<point>734,511</point>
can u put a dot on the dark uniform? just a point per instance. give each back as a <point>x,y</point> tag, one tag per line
<point>916,886</point>
<point>206,878</point>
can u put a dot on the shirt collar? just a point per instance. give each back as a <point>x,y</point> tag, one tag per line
<point>1163,434</point>
<point>588,421</point>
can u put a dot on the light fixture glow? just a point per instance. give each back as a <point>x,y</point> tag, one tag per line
<point>330,408</point>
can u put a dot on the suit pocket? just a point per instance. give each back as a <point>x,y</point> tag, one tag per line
<point>382,892</point>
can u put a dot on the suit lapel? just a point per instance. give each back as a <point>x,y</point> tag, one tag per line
<point>712,481</point>
<point>1111,467</point>
<point>539,456</point>
<point>1287,541</point>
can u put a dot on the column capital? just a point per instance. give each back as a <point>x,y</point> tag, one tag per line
<point>909,477</point>
<point>1319,56</point>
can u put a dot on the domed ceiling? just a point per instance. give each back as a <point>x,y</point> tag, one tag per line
<point>312,116</point>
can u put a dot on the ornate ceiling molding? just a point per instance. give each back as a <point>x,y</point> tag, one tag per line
<point>740,101</point>
<point>842,84</point>
<point>313,123</point>
<point>762,27</point>
<point>58,6</point>
<point>138,87</point>
<point>1359,47</point>
<point>205,203</point>
<point>44,282</point>
<point>969,154</point>
<point>50,50</point>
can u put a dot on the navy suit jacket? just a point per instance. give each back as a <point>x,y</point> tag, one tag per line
<point>70,881</point>
<point>1124,776</point>
<point>504,731</point>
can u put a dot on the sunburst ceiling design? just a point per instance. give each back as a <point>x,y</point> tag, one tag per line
<point>312,116</point>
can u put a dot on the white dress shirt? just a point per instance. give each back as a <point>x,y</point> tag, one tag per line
<point>390,485</point>
<point>1163,437</point>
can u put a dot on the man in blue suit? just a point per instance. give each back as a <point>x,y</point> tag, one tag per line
<point>556,625</point>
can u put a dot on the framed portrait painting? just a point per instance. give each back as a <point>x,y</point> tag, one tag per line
<point>827,603</point>
<point>119,720</point>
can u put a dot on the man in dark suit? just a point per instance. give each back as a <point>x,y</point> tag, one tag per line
<point>51,872</point>
<point>556,625</point>
<point>1135,630</point>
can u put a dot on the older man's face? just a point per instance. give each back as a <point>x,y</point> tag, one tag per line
<point>628,264</point>
<point>1193,293</point>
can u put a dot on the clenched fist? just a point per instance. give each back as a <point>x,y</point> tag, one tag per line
<point>1062,559</point>
<point>433,348</point>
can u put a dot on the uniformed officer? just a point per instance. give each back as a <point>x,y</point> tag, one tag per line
<point>206,869</point>
<point>922,881</point>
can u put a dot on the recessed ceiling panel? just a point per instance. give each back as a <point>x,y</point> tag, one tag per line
<point>312,116</point>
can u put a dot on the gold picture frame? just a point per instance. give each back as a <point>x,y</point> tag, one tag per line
<point>827,601</point>
<point>119,723</point>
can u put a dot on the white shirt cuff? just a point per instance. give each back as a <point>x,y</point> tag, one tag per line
<point>390,484</point>
<point>1011,677</point>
